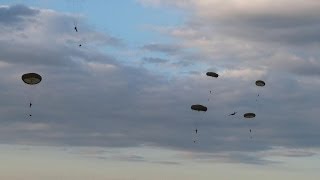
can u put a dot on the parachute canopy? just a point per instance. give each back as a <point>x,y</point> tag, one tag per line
<point>199,107</point>
<point>31,78</point>
<point>260,83</point>
<point>249,115</point>
<point>212,74</point>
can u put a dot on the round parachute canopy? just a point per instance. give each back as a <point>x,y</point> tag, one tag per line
<point>212,74</point>
<point>199,107</point>
<point>31,78</point>
<point>249,115</point>
<point>260,83</point>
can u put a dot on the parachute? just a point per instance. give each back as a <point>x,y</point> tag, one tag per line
<point>260,83</point>
<point>249,115</point>
<point>31,78</point>
<point>199,107</point>
<point>212,74</point>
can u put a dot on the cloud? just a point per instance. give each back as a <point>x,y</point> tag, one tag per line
<point>163,48</point>
<point>153,60</point>
<point>45,37</point>
<point>284,152</point>
<point>16,14</point>
<point>248,41</point>
<point>88,97</point>
<point>229,157</point>
<point>166,162</point>
<point>295,64</point>
<point>238,34</point>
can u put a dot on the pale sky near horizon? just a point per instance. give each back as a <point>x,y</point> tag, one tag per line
<point>118,107</point>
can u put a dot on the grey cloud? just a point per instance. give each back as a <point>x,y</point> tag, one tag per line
<point>290,153</point>
<point>126,106</point>
<point>247,159</point>
<point>175,56</point>
<point>154,60</point>
<point>16,14</point>
<point>287,31</point>
<point>230,157</point>
<point>131,158</point>
<point>299,65</point>
<point>166,162</point>
<point>169,49</point>
<point>249,35</point>
<point>167,123</point>
<point>260,21</point>
<point>88,98</point>
<point>49,40</point>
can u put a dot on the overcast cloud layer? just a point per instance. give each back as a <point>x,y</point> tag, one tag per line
<point>89,98</point>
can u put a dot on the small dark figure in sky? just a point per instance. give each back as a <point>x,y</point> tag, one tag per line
<point>250,130</point>
<point>30,115</point>
<point>80,45</point>
<point>75,28</point>
<point>194,141</point>
<point>210,92</point>
<point>30,104</point>
<point>196,131</point>
<point>232,114</point>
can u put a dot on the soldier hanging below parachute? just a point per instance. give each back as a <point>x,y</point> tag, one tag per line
<point>31,79</point>
<point>249,116</point>
<point>199,108</point>
<point>260,83</point>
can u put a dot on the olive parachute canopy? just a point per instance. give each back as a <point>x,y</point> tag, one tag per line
<point>212,74</point>
<point>31,78</point>
<point>199,107</point>
<point>260,83</point>
<point>249,115</point>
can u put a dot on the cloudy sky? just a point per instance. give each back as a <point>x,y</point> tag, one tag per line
<point>118,107</point>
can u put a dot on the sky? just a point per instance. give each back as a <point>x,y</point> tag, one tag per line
<point>118,107</point>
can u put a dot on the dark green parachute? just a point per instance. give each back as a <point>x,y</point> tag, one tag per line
<point>31,78</point>
<point>199,107</point>
<point>212,74</point>
<point>260,83</point>
<point>249,115</point>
